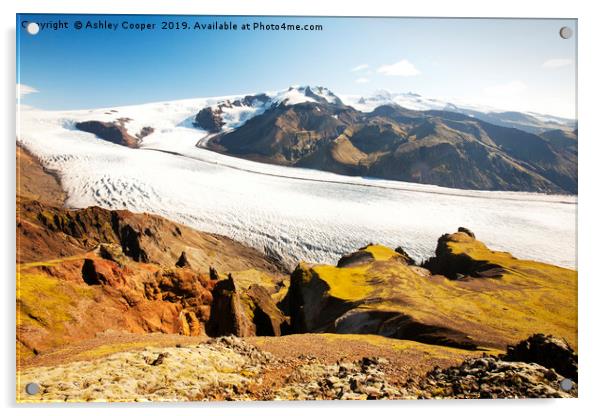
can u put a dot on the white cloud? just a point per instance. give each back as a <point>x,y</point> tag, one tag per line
<point>556,63</point>
<point>23,89</point>
<point>362,80</point>
<point>403,68</point>
<point>507,89</point>
<point>360,67</point>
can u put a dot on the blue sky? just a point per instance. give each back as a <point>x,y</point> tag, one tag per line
<point>509,64</point>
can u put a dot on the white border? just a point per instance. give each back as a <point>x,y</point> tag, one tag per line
<point>590,153</point>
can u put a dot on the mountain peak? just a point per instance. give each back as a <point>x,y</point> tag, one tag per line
<point>297,94</point>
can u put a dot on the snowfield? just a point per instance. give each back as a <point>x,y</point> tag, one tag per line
<point>297,213</point>
<point>417,102</point>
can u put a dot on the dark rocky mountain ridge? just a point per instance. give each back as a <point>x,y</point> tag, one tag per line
<point>391,142</point>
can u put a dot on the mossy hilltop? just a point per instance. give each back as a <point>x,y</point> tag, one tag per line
<point>491,300</point>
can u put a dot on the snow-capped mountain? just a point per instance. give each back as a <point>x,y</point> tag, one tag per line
<point>407,100</point>
<point>229,114</point>
<point>237,111</point>
<point>528,121</point>
<point>432,142</point>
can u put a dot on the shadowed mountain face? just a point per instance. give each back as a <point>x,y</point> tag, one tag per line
<point>563,139</point>
<point>434,147</point>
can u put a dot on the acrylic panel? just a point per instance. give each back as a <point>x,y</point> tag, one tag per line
<point>295,208</point>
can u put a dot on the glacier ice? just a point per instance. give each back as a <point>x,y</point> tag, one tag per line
<point>298,213</point>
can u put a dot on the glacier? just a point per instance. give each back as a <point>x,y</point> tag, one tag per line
<point>297,214</point>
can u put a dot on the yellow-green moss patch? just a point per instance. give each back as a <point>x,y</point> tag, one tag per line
<point>345,283</point>
<point>45,301</point>
<point>381,253</point>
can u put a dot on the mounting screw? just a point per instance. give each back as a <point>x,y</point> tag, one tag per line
<point>566,384</point>
<point>566,32</point>
<point>33,28</point>
<point>32,388</point>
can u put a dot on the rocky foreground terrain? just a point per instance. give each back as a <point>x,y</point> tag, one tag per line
<point>233,368</point>
<point>119,306</point>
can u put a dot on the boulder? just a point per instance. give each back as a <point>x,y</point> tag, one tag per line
<point>547,350</point>
<point>112,252</point>
<point>355,259</point>
<point>102,272</point>
<point>406,257</point>
<point>466,231</point>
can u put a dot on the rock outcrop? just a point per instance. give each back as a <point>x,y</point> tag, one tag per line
<point>548,351</point>
<point>47,232</point>
<point>211,118</point>
<point>228,315</point>
<point>356,258</point>
<point>491,378</point>
<point>534,368</point>
<point>145,131</point>
<point>364,294</point>
<point>268,319</point>
<point>406,257</point>
<point>114,132</point>
<point>244,312</point>
<point>183,260</point>
<point>35,182</point>
<point>457,265</point>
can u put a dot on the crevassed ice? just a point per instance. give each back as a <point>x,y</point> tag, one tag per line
<point>298,213</point>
